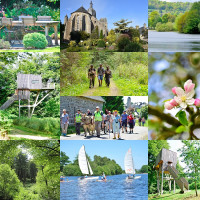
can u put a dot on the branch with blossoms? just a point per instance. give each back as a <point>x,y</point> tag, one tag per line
<point>184,99</point>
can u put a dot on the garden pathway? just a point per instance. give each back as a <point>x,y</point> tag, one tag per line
<point>113,90</point>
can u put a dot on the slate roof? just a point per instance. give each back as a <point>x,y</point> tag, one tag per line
<point>96,98</point>
<point>81,9</point>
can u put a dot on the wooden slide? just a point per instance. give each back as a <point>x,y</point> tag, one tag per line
<point>181,182</point>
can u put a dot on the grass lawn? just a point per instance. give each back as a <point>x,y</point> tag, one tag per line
<point>27,131</point>
<point>49,49</point>
<point>131,88</point>
<point>190,195</point>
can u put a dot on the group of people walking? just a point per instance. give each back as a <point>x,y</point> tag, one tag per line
<point>108,122</point>
<point>101,73</point>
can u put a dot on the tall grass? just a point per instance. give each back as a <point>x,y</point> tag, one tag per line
<point>49,125</point>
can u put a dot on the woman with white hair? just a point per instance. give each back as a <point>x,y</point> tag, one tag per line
<point>64,122</point>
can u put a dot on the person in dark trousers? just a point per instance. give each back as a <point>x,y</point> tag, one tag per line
<point>108,75</point>
<point>98,120</point>
<point>124,121</point>
<point>78,122</point>
<point>100,73</point>
<point>91,76</point>
<point>140,120</point>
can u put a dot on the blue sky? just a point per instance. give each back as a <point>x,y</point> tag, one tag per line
<point>113,10</point>
<point>112,149</point>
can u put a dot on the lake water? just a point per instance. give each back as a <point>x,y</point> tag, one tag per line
<point>117,189</point>
<point>173,42</point>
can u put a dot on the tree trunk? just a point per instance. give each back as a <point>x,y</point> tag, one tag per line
<point>196,188</point>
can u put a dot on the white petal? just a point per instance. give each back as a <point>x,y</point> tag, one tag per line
<point>190,101</point>
<point>183,105</point>
<point>190,94</point>
<point>177,99</point>
<point>180,92</point>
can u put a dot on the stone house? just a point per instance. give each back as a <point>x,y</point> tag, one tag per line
<point>73,103</point>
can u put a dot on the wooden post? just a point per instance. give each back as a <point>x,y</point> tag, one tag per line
<point>162,180</point>
<point>19,108</point>
<point>170,185</point>
<point>29,115</point>
<point>174,186</point>
<point>158,183</point>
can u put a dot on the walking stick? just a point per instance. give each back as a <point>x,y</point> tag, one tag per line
<point>109,129</point>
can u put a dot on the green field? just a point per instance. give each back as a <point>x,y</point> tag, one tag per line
<point>49,49</point>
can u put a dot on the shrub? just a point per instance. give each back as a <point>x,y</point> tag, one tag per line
<point>133,47</point>
<point>101,43</point>
<point>25,194</point>
<point>35,40</point>
<point>4,44</point>
<point>122,42</point>
<point>199,27</point>
<point>136,39</point>
<point>72,44</point>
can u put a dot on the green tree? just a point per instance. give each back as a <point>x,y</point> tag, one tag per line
<point>9,184</point>
<point>191,154</point>
<point>64,160</point>
<point>111,37</point>
<point>144,169</point>
<point>122,26</point>
<point>114,103</point>
<point>101,35</point>
<point>154,147</point>
<point>154,18</point>
<point>95,33</point>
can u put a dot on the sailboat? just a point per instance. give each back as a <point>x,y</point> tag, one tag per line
<point>85,165</point>
<point>129,165</point>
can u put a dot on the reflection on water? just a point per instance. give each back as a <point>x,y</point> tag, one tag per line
<point>117,188</point>
<point>173,42</point>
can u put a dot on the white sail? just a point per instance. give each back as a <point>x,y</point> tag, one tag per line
<point>82,161</point>
<point>128,163</point>
<point>90,169</point>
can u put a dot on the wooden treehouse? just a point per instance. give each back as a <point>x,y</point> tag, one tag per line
<point>26,84</point>
<point>166,162</point>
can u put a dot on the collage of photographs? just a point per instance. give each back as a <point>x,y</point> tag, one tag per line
<point>99,99</point>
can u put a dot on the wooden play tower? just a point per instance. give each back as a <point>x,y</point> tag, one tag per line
<point>166,162</point>
<point>27,83</point>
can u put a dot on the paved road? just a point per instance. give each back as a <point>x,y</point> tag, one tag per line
<point>139,133</point>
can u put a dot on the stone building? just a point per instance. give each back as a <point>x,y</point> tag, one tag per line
<point>84,20</point>
<point>72,104</point>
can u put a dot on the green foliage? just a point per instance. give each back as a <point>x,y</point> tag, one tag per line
<point>4,44</point>
<point>9,184</point>
<point>95,33</point>
<point>101,43</point>
<point>111,38</point>
<point>154,18</point>
<point>133,47</point>
<point>64,160</point>
<point>169,26</point>
<point>154,148</point>
<point>144,169</point>
<point>99,165</point>
<point>35,40</point>
<point>191,154</point>
<point>113,103</point>
<point>144,112</point>
<point>101,35</point>
<point>181,115</point>
<point>50,126</point>
<point>122,42</point>
<point>122,25</point>
<point>25,194</point>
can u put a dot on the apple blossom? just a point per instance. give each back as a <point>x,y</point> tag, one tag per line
<point>174,90</point>
<point>197,102</point>
<point>168,105</point>
<point>189,86</point>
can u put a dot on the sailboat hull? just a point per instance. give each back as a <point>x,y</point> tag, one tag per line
<point>89,178</point>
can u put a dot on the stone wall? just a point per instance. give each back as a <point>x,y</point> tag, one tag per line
<point>71,104</point>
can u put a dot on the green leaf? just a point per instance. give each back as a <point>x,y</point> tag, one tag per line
<point>167,100</point>
<point>181,129</point>
<point>181,115</point>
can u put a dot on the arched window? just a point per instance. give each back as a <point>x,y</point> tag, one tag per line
<point>78,23</point>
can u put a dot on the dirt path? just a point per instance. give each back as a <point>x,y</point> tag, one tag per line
<point>113,90</point>
<point>21,134</point>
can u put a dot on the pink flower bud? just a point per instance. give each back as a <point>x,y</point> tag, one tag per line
<point>197,102</point>
<point>168,105</point>
<point>173,102</point>
<point>188,86</point>
<point>174,90</point>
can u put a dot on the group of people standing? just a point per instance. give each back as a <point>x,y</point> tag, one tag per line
<point>108,122</point>
<point>101,73</point>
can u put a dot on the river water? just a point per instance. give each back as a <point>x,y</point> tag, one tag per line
<point>116,189</point>
<point>173,42</point>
